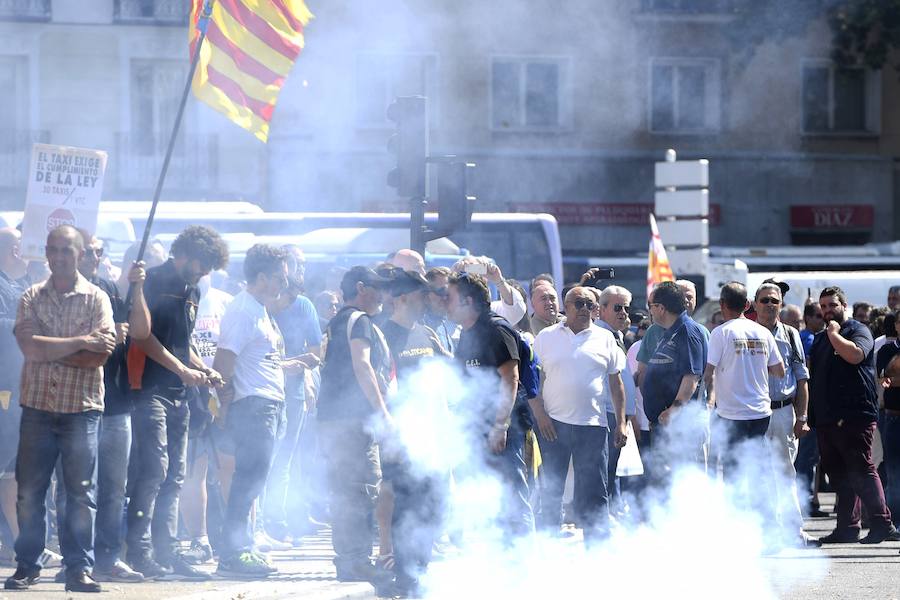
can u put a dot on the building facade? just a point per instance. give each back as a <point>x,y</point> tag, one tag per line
<point>564,106</point>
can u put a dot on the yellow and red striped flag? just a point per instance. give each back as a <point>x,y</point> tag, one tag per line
<point>250,48</point>
<point>658,267</point>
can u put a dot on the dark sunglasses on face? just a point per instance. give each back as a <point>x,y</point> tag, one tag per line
<point>98,252</point>
<point>769,301</point>
<point>620,307</point>
<point>581,303</point>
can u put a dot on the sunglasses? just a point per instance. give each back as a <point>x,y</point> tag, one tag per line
<point>769,301</point>
<point>621,307</point>
<point>581,303</point>
<point>98,252</point>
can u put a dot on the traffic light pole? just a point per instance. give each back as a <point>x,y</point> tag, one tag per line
<point>417,238</point>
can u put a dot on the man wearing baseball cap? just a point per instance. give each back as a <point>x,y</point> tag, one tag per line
<point>356,374</point>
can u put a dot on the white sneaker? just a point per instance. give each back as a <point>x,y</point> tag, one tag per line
<point>264,543</point>
<point>49,558</point>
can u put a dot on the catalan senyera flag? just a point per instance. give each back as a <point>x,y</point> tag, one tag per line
<point>658,267</point>
<point>250,48</point>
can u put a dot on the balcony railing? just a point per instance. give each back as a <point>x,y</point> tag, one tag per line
<point>138,159</point>
<point>25,10</point>
<point>152,12</point>
<point>15,155</point>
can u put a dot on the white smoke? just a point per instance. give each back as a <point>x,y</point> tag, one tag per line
<point>700,539</point>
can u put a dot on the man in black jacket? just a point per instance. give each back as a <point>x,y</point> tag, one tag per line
<point>844,409</point>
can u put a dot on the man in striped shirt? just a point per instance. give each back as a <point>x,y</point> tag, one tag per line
<point>65,329</point>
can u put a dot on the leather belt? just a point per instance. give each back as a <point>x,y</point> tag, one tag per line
<point>782,403</point>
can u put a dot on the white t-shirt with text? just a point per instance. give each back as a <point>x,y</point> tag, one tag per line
<point>252,335</point>
<point>741,351</point>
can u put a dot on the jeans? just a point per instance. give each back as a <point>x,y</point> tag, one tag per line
<point>746,465</point>
<point>783,451</point>
<point>891,436</point>
<point>354,476</point>
<point>515,517</point>
<point>587,446</point>
<point>115,449</point>
<point>280,495</point>
<point>158,462</point>
<point>613,485</point>
<point>419,501</point>
<point>254,424</point>
<point>44,437</point>
<point>846,451</point>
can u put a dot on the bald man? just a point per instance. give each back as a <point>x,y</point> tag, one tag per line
<point>409,260</point>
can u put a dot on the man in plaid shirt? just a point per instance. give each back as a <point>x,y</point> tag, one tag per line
<point>65,329</point>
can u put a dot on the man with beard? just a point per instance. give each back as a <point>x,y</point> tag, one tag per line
<point>844,409</point>
<point>161,368</point>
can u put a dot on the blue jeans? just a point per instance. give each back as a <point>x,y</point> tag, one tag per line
<point>280,496</point>
<point>115,449</point>
<point>45,437</point>
<point>891,436</point>
<point>158,465</point>
<point>587,446</point>
<point>805,464</point>
<point>254,424</point>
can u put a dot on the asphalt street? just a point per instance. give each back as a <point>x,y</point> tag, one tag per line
<point>840,571</point>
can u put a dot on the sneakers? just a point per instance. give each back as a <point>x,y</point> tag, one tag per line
<point>876,536</point>
<point>246,565</point>
<point>82,582</point>
<point>198,554</point>
<point>804,541</point>
<point>183,569</point>
<point>264,543</point>
<point>849,536</point>
<point>49,558</point>
<point>22,579</point>
<point>118,572</point>
<point>149,568</point>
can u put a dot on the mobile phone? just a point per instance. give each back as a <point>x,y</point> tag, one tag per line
<point>476,269</point>
<point>601,274</point>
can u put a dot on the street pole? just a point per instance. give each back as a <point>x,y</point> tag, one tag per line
<point>202,24</point>
<point>417,224</point>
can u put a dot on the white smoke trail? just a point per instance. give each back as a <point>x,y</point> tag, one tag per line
<point>699,540</point>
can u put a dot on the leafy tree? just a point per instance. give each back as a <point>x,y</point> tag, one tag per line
<point>866,32</point>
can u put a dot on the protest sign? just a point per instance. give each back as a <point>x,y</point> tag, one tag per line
<point>64,188</point>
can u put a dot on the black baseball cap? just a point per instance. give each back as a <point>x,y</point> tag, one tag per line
<point>406,282</point>
<point>781,284</point>
<point>363,275</point>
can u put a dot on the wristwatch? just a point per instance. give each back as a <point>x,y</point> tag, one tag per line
<point>803,418</point>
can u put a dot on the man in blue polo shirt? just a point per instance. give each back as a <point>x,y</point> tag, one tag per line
<point>673,374</point>
<point>844,409</point>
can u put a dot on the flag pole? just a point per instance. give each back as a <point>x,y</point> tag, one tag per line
<point>202,24</point>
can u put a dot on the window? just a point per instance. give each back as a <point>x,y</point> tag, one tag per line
<point>13,101</point>
<point>25,10</point>
<point>153,12</point>
<point>840,100</point>
<point>529,94</point>
<point>382,77</point>
<point>684,95</point>
<point>156,87</point>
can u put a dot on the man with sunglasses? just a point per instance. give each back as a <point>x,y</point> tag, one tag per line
<point>582,367</point>
<point>614,303</point>
<point>844,409</point>
<point>436,308</point>
<point>789,397</point>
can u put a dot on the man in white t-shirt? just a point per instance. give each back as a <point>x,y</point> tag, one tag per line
<point>250,357</point>
<point>742,355</point>
<point>581,365</point>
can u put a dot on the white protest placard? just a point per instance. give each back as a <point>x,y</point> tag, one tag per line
<point>64,188</point>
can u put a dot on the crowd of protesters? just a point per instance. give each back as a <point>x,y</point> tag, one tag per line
<point>185,416</point>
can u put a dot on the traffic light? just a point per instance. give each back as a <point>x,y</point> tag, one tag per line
<point>455,205</point>
<point>410,144</point>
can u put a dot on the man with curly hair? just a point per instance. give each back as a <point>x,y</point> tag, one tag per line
<point>161,368</point>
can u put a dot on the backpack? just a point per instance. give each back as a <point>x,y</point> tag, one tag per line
<point>529,365</point>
